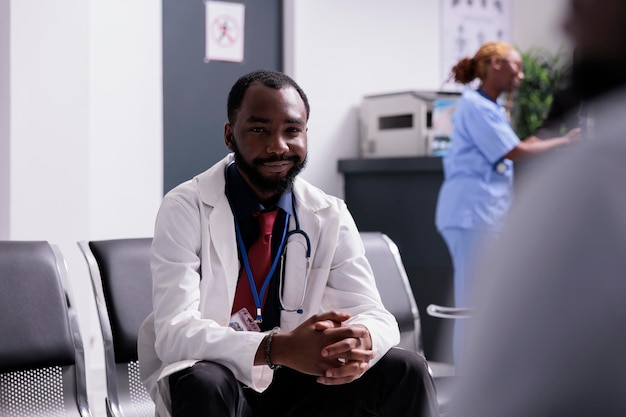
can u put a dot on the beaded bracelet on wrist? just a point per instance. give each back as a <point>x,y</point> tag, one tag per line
<point>268,345</point>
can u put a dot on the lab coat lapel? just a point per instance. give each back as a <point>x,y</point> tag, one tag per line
<point>221,225</point>
<point>220,229</point>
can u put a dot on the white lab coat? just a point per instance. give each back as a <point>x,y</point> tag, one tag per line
<point>195,268</point>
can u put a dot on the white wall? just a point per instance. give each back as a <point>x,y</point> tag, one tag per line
<point>340,51</point>
<point>5,32</point>
<point>85,134</point>
<point>126,122</point>
<point>538,23</point>
<point>343,50</point>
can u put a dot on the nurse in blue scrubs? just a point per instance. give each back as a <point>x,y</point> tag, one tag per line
<point>478,186</point>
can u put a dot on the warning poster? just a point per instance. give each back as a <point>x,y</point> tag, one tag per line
<point>224,31</point>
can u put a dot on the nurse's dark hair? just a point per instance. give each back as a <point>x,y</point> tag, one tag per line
<point>468,69</point>
<point>271,79</point>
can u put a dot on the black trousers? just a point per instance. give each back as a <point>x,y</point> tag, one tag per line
<point>399,385</point>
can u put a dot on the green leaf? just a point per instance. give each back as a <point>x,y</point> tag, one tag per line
<point>543,74</point>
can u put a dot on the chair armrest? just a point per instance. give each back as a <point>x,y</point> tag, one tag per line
<point>445,312</point>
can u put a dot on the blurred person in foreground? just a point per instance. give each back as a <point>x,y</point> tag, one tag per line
<point>547,338</point>
<point>478,168</point>
<point>303,335</point>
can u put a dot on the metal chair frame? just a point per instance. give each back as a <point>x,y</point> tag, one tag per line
<point>126,396</point>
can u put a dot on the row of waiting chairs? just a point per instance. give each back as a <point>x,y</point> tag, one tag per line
<point>42,359</point>
<point>42,367</point>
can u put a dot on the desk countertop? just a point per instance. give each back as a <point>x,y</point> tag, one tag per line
<point>387,165</point>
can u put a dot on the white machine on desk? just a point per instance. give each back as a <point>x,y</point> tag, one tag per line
<point>411,123</point>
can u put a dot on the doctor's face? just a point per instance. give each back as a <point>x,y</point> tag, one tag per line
<point>269,138</point>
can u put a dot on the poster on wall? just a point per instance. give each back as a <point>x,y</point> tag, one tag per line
<point>224,31</point>
<point>467,24</point>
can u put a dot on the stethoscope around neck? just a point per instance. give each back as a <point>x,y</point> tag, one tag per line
<point>283,256</point>
<point>280,258</point>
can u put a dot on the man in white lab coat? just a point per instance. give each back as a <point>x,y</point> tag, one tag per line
<point>307,335</point>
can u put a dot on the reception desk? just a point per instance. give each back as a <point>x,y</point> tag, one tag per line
<point>398,196</point>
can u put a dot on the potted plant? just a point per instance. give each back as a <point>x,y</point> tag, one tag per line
<point>544,73</point>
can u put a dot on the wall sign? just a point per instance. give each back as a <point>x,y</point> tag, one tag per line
<point>224,31</point>
<point>465,26</point>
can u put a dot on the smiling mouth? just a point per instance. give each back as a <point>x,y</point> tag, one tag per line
<point>277,167</point>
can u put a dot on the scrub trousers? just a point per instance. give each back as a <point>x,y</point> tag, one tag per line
<point>467,247</point>
<point>399,385</point>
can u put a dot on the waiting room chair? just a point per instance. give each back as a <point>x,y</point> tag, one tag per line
<point>394,287</point>
<point>397,296</point>
<point>42,362</point>
<point>447,312</point>
<point>122,284</point>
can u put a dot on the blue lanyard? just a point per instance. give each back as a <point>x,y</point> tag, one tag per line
<point>244,255</point>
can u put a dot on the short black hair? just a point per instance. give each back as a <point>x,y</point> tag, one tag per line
<point>272,79</point>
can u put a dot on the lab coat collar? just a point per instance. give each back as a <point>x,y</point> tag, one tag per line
<point>212,186</point>
<point>310,202</point>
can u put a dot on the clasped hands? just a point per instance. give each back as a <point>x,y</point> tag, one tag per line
<point>325,346</point>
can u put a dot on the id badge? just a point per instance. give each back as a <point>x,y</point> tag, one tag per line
<point>242,320</point>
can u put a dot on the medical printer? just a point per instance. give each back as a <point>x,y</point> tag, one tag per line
<point>406,124</point>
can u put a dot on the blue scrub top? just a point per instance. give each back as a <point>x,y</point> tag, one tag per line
<point>478,185</point>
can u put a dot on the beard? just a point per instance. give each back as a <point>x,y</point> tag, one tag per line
<point>594,77</point>
<point>269,185</point>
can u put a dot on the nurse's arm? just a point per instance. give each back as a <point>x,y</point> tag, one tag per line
<point>533,146</point>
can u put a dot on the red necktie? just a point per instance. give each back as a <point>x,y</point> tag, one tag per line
<point>260,259</point>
